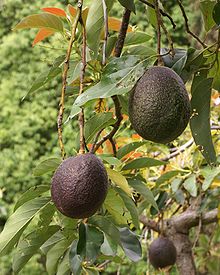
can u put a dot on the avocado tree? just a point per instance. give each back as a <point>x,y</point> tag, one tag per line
<point>115,191</point>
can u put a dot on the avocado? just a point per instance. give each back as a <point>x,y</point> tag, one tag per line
<point>162,253</point>
<point>159,106</point>
<point>79,186</point>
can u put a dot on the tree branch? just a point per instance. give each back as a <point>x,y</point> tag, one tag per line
<point>64,81</point>
<point>187,25</point>
<point>161,11</point>
<point>159,58</point>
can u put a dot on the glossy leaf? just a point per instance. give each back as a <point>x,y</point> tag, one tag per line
<point>118,78</point>
<point>46,166</point>
<point>128,4</point>
<point>141,188</point>
<point>43,20</point>
<point>209,174</point>
<point>41,35</point>
<point>130,244</point>
<point>55,11</point>
<point>126,149</point>
<point>142,163</point>
<point>130,205</point>
<point>30,245</point>
<point>137,37</point>
<point>206,7</point>
<point>104,224</point>
<point>18,221</point>
<point>200,120</point>
<point>190,185</point>
<point>119,180</point>
<point>216,13</point>
<point>30,194</point>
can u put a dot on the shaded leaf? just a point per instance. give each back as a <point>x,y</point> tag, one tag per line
<point>64,266</point>
<point>209,174</point>
<point>126,149</point>
<point>56,238</point>
<point>200,120</point>
<point>75,110</point>
<point>134,38</point>
<point>46,166</point>
<point>130,244</point>
<point>190,185</point>
<point>206,7</point>
<point>128,4</point>
<point>55,11</point>
<point>142,163</point>
<point>41,35</point>
<point>130,205</point>
<point>167,176</point>
<point>141,188</point>
<point>43,20</point>
<point>216,13</point>
<point>108,247</point>
<point>30,245</point>
<point>18,221</point>
<point>119,180</point>
<point>75,260</point>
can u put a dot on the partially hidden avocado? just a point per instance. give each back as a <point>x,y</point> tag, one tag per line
<point>79,186</point>
<point>162,253</point>
<point>159,106</point>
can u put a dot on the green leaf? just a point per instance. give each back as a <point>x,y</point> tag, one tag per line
<point>64,266</point>
<point>160,202</point>
<point>118,78</point>
<point>128,4</point>
<point>108,247</point>
<point>168,176</point>
<point>111,160</point>
<point>18,221</point>
<point>115,206</point>
<point>30,194</point>
<point>90,241</point>
<point>46,215</point>
<point>209,174</point>
<point>214,72</point>
<point>207,10</point>
<point>200,120</point>
<point>94,25</point>
<point>106,226</point>
<point>141,188</point>
<point>54,254</point>
<point>151,15</point>
<point>119,180</point>
<point>216,13</point>
<point>134,38</point>
<point>43,20</point>
<point>75,110</point>
<point>46,166</point>
<point>130,205</point>
<point>142,163</point>
<point>75,260</point>
<point>130,244</point>
<point>74,71</point>
<point>30,245</point>
<point>56,238</point>
<point>190,185</point>
<point>142,51</point>
<point>126,149</point>
<point>46,76</point>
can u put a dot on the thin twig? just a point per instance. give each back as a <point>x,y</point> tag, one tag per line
<point>169,38</point>
<point>113,146</point>
<point>161,11</point>
<point>105,13</point>
<point>117,53</point>
<point>64,82</point>
<point>159,58</point>
<point>187,25</point>
<point>82,75</point>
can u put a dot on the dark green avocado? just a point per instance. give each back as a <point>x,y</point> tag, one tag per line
<point>79,186</point>
<point>162,253</point>
<point>159,107</point>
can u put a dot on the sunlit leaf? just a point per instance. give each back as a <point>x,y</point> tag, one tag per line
<point>209,174</point>
<point>55,11</point>
<point>46,166</point>
<point>119,180</point>
<point>142,163</point>
<point>72,10</point>
<point>190,185</point>
<point>137,37</point>
<point>41,35</point>
<point>200,120</point>
<point>114,24</point>
<point>126,149</point>
<point>18,221</point>
<point>39,21</point>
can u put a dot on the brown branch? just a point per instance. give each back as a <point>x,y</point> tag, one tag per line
<point>150,224</point>
<point>82,75</point>
<point>159,58</point>
<point>105,13</point>
<point>187,25</point>
<point>169,38</point>
<point>64,82</point>
<point>117,52</point>
<point>161,12</point>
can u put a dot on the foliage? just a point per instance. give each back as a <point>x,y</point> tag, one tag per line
<point>145,178</point>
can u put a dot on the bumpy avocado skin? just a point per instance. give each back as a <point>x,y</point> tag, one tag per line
<point>159,107</point>
<point>162,253</point>
<point>79,186</point>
